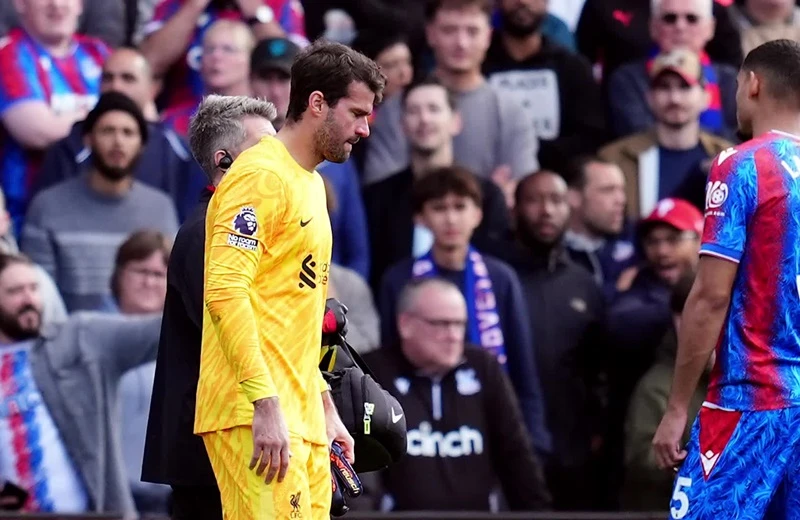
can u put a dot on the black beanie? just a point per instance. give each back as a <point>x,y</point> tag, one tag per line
<point>111,101</point>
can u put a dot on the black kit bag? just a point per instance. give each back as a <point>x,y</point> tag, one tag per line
<point>372,415</point>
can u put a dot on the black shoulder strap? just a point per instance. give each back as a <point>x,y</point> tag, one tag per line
<point>343,356</point>
<point>356,357</point>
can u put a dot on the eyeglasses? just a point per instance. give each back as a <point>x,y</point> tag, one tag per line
<point>227,49</point>
<point>672,18</point>
<point>442,324</point>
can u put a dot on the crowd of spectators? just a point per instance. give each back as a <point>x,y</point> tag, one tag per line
<point>515,240</point>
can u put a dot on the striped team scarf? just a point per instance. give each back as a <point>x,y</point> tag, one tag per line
<point>484,327</point>
<point>711,119</point>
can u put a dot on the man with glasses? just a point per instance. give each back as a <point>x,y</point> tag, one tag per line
<point>465,429</point>
<point>675,24</point>
<point>671,157</point>
<point>639,317</point>
<point>224,68</point>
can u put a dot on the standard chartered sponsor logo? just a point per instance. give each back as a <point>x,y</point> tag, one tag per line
<point>424,442</point>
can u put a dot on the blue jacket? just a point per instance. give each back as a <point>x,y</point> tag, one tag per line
<point>165,164</point>
<point>350,241</point>
<point>519,345</point>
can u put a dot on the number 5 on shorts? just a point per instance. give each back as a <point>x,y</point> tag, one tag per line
<point>680,496</point>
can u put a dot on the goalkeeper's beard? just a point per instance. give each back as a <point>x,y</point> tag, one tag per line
<point>331,142</point>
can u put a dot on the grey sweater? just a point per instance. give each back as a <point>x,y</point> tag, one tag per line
<point>74,232</point>
<point>77,367</point>
<point>495,132</point>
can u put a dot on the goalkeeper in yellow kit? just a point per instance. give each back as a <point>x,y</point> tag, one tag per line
<point>263,409</point>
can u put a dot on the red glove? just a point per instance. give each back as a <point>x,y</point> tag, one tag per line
<point>334,322</point>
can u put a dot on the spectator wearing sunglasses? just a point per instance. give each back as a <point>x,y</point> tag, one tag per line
<point>611,33</point>
<point>675,24</point>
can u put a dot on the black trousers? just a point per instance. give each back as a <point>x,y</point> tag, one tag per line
<point>196,503</point>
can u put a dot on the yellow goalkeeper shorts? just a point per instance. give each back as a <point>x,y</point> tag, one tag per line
<point>304,494</point>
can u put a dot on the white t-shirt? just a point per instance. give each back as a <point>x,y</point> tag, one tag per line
<point>32,454</point>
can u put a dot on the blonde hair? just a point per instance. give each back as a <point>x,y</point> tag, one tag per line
<point>230,26</point>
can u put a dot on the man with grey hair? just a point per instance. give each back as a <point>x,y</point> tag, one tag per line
<point>222,128</point>
<point>675,24</point>
<point>465,426</point>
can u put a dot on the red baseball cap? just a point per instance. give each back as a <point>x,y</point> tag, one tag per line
<point>678,213</point>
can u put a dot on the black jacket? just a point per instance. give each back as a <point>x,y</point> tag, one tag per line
<point>173,454</point>
<point>566,309</point>
<point>576,124</point>
<point>519,345</point>
<point>390,220</point>
<point>465,432</point>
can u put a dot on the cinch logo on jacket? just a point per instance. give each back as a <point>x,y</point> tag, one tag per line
<point>424,442</point>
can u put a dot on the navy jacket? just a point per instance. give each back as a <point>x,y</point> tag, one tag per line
<point>605,260</point>
<point>165,164</point>
<point>639,317</point>
<point>516,331</point>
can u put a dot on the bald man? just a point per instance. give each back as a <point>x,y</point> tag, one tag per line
<point>165,163</point>
<point>128,72</point>
<point>472,434</point>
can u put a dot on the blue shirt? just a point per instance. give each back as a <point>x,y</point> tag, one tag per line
<point>350,239</point>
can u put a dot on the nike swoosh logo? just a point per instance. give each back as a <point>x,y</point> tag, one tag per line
<point>305,223</point>
<point>396,417</point>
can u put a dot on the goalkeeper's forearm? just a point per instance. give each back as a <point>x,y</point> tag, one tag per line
<point>234,321</point>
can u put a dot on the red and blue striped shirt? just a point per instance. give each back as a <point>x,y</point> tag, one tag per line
<point>184,80</point>
<point>30,73</point>
<point>753,219</point>
<point>32,453</point>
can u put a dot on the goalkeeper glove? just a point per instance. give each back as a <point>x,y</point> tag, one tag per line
<point>334,322</point>
<point>344,479</point>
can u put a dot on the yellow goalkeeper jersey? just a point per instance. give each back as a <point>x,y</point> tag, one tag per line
<point>267,259</point>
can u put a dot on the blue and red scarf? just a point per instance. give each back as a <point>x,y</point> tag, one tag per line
<point>712,119</point>
<point>483,319</point>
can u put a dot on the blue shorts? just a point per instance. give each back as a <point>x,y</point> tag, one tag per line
<point>742,465</point>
